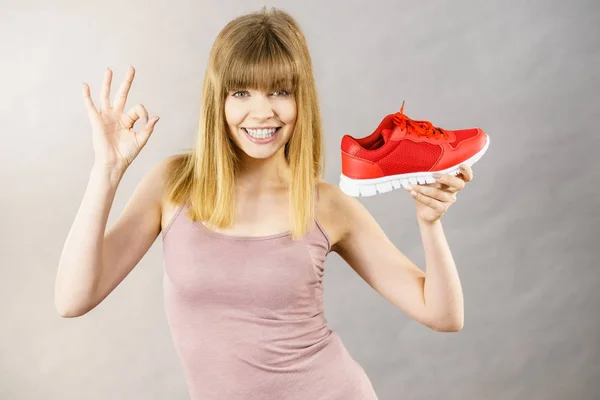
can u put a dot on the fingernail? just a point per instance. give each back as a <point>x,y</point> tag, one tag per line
<point>409,187</point>
<point>145,120</point>
<point>436,175</point>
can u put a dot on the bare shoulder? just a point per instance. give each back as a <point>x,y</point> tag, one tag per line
<point>333,211</point>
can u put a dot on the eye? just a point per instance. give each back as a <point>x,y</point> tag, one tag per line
<point>241,91</point>
<point>286,93</point>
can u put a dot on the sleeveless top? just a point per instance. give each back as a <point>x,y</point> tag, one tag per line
<point>246,316</point>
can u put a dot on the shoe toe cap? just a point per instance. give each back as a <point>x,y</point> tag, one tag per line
<point>468,143</point>
<point>469,140</point>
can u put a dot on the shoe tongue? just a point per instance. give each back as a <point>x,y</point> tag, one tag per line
<point>386,133</point>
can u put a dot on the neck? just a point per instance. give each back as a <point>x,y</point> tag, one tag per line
<point>259,175</point>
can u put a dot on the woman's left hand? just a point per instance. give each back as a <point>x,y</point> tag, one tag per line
<point>434,199</point>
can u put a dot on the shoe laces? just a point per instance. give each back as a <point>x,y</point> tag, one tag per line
<point>420,128</point>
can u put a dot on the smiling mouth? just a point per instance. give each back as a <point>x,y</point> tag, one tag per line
<point>262,138</point>
<point>277,129</point>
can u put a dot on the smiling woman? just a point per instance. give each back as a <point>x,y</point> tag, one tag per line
<point>247,319</point>
<point>244,251</point>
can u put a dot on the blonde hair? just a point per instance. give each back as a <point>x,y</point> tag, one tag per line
<point>262,50</point>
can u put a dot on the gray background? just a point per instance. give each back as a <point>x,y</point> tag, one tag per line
<point>524,233</point>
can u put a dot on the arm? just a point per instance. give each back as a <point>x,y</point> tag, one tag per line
<point>93,262</point>
<point>433,299</point>
<point>442,289</point>
<point>81,257</point>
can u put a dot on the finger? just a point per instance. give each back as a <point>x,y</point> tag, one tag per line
<point>105,95</point>
<point>88,102</point>
<point>121,97</point>
<point>466,172</point>
<point>135,113</point>
<point>433,192</point>
<point>428,201</point>
<point>454,183</point>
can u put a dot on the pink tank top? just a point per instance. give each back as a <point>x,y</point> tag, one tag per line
<point>246,316</point>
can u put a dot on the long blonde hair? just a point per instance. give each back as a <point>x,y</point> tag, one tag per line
<point>262,50</point>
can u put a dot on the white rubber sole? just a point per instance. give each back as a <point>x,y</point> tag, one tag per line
<point>371,187</point>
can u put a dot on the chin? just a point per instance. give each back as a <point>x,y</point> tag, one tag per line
<point>260,154</point>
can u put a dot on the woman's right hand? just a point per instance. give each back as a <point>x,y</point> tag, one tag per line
<point>116,144</point>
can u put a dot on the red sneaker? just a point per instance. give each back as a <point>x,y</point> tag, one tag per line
<point>402,151</point>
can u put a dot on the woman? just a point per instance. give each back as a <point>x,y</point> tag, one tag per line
<point>247,224</point>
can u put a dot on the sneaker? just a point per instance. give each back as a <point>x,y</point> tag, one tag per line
<point>403,151</point>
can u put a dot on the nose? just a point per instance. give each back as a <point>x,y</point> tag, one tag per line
<point>261,108</point>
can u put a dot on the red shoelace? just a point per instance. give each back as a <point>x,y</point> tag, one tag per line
<point>420,128</point>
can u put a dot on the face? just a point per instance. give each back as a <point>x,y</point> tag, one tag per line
<point>251,115</point>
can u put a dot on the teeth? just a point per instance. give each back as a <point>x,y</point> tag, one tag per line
<point>261,133</point>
